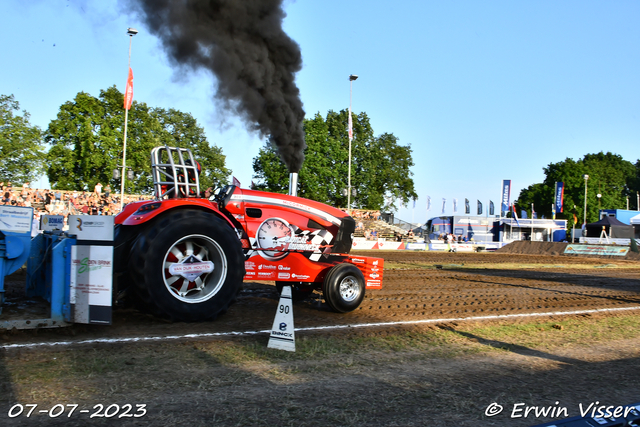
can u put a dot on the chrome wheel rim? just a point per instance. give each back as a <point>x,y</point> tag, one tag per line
<point>198,248</point>
<point>349,289</point>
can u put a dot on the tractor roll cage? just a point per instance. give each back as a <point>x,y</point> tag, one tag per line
<point>175,173</point>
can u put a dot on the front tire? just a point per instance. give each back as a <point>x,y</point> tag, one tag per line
<point>344,287</point>
<point>173,242</point>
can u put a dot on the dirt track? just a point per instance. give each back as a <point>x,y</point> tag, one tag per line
<point>417,285</point>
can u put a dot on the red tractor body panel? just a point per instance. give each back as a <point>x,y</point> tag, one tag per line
<point>137,213</point>
<point>285,238</point>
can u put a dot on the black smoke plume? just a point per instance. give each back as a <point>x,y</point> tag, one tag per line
<point>242,42</point>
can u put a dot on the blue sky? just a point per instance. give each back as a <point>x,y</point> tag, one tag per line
<point>482,91</point>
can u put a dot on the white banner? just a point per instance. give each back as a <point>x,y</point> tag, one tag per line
<point>51,222</point>
<point>91,279</point>
<point>17,219</point>
<point>91,227</point>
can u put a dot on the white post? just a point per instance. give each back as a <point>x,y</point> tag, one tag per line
<point>350,138</point>
<point>532,222</point>
<point>352,77</point>
<point>586,177</point>
<point>126,119</point>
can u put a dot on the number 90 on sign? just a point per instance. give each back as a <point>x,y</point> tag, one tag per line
<point>284,309</point>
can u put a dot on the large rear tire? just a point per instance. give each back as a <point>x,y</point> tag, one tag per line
<point>343,288</point>
<point>168,246</point>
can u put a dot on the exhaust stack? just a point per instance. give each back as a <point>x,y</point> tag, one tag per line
<point>293,184</point>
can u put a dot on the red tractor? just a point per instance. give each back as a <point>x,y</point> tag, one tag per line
<point>184,256</point>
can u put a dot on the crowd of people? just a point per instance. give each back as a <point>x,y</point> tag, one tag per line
<point>101,201</point>
<point>363,214</point>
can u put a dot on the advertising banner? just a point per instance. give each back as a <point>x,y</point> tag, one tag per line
<point>413,246</point>
<point>91,227</point>
<point>596,250</point>
<point>506,194</point>
<point>362,243</point>
<point>16,219</point>
<point>51,222</point>
<point>91,284</point>
<point>559,196</point>
<point>390,245</point>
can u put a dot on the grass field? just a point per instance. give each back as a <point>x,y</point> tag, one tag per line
<point>444,374</point>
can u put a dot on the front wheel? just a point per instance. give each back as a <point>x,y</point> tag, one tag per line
<point>343,287</point>
<point>189,265</point>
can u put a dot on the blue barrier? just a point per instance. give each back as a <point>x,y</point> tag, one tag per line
<point>15,240</point>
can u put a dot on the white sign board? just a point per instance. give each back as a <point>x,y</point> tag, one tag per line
<point>91,283</point>
<point>17,219</point>
<point>51,222</point>
<point>283,335</point>
<point>91,227</point>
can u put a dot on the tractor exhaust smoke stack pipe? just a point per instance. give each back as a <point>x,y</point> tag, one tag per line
<point>293,184</point>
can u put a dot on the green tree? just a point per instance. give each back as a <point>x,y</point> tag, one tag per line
<point>21,148</point>
<point>609,175</point>
<point>86,142</point>
<point>380,170</point>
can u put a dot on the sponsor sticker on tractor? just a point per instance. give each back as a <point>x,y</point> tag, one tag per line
<point>191,269</point>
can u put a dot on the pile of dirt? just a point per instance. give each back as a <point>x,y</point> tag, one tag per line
<point>534,248</point>
<point>553,248</point>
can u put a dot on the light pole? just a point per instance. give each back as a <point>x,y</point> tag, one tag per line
<point>586,177</point>
<point>352,77</point>
<point>132,32</point>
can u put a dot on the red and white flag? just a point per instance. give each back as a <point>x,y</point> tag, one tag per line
<point>350,126</point>
<point>236,182</point>
<point>128,93</point>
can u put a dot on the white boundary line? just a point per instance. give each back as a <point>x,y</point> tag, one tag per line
<point>314,328</point>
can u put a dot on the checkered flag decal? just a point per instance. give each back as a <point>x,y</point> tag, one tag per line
<point>323,238</point>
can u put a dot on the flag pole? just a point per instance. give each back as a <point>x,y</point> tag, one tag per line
<point>132,32</point>
<point>352,77</point>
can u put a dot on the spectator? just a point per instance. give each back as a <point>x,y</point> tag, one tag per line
<point>98,189</point>
<point>35,226</point>
<point>107,191</point>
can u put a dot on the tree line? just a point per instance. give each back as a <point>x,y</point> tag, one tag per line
<point>83,145</point>
<point>616,181</point>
